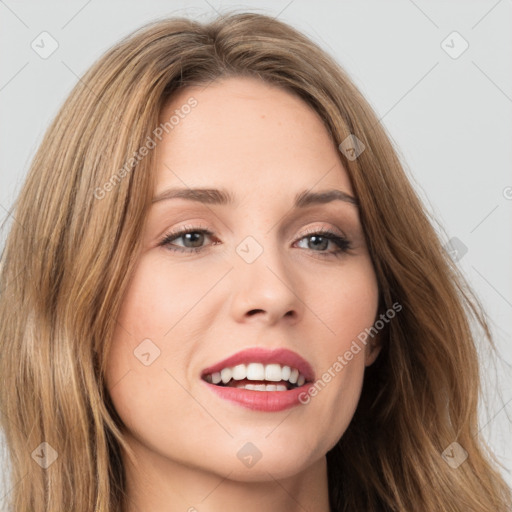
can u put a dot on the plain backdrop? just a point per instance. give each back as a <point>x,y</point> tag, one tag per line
<point>437,73</point>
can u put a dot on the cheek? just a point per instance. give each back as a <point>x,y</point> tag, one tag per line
<point>348,309</point>
<point>346,304</point>
<point>153,304</point>
<point>159,296</point>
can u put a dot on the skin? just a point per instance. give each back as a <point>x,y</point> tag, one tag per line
<point>264,145</point>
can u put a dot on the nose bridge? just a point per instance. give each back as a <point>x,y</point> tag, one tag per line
<point>260,242</point>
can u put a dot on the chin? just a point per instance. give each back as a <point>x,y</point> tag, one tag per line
<point>250,464</point>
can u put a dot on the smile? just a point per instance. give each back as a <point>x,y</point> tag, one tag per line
<point>261,379</point>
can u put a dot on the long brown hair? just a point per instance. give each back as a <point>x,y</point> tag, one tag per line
<point>72,249</point>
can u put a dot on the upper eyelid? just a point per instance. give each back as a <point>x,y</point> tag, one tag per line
<point>334,231</point>
<point>198,228</point>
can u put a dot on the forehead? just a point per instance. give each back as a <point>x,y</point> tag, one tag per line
<point>248,135</point>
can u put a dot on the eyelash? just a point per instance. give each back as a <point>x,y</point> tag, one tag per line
<point>341,242</point>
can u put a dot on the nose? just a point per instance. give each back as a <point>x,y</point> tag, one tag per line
<point>265,290</point>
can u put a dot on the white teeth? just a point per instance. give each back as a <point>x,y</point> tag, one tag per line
<point>262,387</point>
<point>257,371</point>
<point>239,372</point>
<point>226,375</point>
<point>273,372</point>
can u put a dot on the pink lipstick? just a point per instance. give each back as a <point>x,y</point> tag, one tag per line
<point>261,379</point>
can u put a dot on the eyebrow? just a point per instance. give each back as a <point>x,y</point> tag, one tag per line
<point>224,197</point>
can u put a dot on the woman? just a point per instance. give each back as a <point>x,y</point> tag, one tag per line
<point>221,289</point>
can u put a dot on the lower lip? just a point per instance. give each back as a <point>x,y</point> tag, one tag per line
<point>269,401</point>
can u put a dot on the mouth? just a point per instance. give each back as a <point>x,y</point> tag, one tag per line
<point>261,379</point>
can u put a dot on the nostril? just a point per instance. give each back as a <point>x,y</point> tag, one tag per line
<point>253,311</point>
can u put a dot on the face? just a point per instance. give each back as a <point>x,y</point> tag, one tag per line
<point>244,283</point>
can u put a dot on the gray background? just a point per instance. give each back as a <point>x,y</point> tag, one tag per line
<point>449,117</point>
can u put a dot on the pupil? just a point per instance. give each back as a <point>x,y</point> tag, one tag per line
<point>194,238</point>
<point>315,238</point>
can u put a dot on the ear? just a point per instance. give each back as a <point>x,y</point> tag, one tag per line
<point>372,350</point>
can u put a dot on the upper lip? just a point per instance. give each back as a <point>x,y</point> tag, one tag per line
<point>282,356</point>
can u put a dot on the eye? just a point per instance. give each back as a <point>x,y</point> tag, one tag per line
<point>320,239</point>
<point>192,237</point>
<point>193,240</point>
